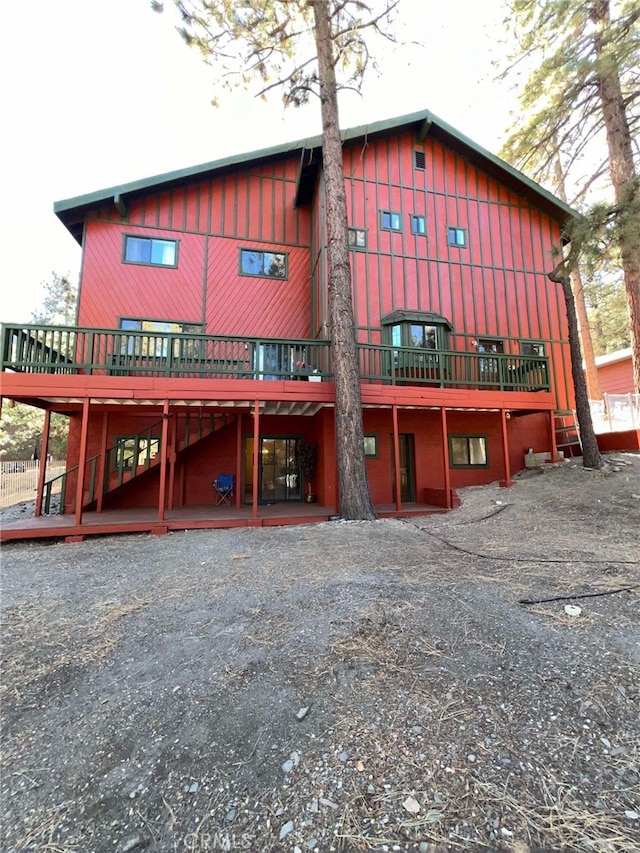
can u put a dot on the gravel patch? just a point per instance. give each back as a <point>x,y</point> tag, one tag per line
<point>334,687</point>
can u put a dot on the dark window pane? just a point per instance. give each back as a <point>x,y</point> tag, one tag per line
<point>459,451</point>
<point>138,250</point>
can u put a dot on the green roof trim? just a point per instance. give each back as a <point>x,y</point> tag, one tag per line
<point>72,211</point>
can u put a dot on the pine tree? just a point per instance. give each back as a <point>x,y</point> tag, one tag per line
<point>300,46</point>
<point>59,302</point>
<point>581,104</point>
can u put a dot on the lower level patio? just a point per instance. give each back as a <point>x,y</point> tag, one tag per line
<point>145,520</point>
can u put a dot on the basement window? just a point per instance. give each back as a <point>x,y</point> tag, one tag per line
<point>468,451</point>
<point>150,251</point>
<point>371,446</point>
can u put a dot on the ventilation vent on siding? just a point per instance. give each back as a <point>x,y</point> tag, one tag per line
<point>419,160</point>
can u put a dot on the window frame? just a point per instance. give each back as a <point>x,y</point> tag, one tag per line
<point>533,344</point>
<point>456,230</point>
<point>418,218</point>
<point>371,437</point>
<point>355,232</point>
<point>151,241</point>
<point>393,217</point>
<point>120,445</point>
<point>468,437</point>
<point>263,274</point>
<point>403,337</point>
<point>137,327</point>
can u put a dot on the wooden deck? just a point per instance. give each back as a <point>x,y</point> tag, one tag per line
<point>143,520</point>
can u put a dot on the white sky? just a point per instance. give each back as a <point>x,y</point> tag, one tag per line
<point>96,94</point>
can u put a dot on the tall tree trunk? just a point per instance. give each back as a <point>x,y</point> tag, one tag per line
<point>593,382</point>
<point>591,457</point>
<point>623,176</point>
<point>591,371</point>
<point>354,498</point>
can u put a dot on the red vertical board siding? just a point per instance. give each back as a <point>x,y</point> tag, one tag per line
<point>382,163</point>
<point>496,285</point>
<point>193,205</point>
<point>215,212</point>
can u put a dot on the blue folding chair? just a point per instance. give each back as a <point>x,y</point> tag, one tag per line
<point>223,486</point>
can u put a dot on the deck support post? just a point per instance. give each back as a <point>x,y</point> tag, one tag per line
<point>164,450</point>
<point>172,460</point>
<point>102,470</point>
<point>44,453</point>
<point>396,458</point>
<point>238,460</point>
<point>505,449</point>
<point>445,459</point>
<point>256,456</point>
<point>82,460</point>
<point>552,435</point>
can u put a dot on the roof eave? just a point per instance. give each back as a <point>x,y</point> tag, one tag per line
<point>72,211</point>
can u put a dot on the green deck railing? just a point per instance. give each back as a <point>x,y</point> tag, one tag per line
<point>76,350</point>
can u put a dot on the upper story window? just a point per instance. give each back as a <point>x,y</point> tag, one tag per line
<point>151,251</point>
<point>422,335</point>
<point>418,224</point>
<point>416,329</point>
<point>535,348</point>
<point>357,238</point>
<point>263,264</point>
<point>390,221</point>
<point>152,338</point>
<point>419,160</point>
<point>457,237</point>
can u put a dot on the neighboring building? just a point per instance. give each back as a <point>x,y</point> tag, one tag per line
<point>615,372</point>
<point>616,418</point>
<point>203,315</point>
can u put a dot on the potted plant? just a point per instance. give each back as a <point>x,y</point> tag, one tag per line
<point>307,453</point>
<point>302,370</point>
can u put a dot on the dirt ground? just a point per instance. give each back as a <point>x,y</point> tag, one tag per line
<point>339,687</point>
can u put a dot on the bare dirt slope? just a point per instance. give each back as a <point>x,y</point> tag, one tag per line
<point>345,686</point>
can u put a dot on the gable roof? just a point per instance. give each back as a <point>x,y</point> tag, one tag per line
<point>72,211</point>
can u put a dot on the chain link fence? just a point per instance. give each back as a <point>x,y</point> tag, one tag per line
<point>19,479</point>
<point>616,413</point>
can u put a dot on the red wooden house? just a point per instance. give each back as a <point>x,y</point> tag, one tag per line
<point>202,343</point>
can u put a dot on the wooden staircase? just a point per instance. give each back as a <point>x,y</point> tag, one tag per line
<point>132,456</point>
<point>567,433</point>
